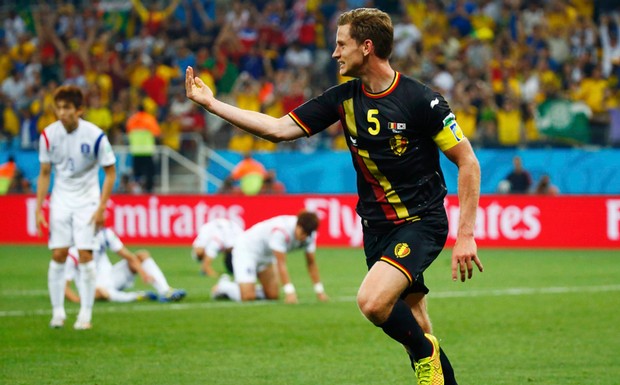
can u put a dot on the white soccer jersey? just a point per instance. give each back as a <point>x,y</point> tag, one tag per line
<point>275,234</point>
<point>217,235</point>
<point>75,158</point>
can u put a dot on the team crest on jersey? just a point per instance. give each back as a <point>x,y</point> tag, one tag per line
<point>85,148</point>
<point>397,127</point>
<point>402,250</point>
<point>398,144</point>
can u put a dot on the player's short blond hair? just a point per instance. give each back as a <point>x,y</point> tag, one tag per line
<point>372,24</point>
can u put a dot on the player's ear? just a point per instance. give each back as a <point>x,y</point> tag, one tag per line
<point>367,47</point>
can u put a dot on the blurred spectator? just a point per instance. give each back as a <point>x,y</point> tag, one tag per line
<point>406,36</point>
<point>7,174</point>
<point>128,185</point>
<point>610,44</point>
<point>28,132</point>
<point>98,114</point>
<point>250,175</point>
<point>518,181</point>
<point>271,184</point>
<point>14,87</point>
<point>240,141</point>
<point>10,120</point>
<point>143,133</point>
<point>229,187</point>
<point>156,88</point>
<point>154,18</point>
<point>12,179</point>
<point>509,124</point>
<point>545,187</point>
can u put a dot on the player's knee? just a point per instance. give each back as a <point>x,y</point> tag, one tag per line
<point>373,308</point>
<point>60,255</point>
<point>247,292</point>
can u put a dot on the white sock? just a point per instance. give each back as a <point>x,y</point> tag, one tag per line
<point>231,289</point>
<point>56,287</point>
<point>122,296</point>
<point>86,288</point>
<point>160,283</point>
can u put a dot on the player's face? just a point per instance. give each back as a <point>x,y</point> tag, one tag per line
<point>300,234</point>
<point>67,114</point>
<point>348,53</point>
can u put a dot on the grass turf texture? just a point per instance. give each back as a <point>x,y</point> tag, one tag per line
<point>533,317</point>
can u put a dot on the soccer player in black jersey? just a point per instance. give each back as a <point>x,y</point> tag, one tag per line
<point>394,127</point>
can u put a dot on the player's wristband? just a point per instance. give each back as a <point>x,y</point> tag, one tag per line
<point>289,288</point>
<point>318,288</point>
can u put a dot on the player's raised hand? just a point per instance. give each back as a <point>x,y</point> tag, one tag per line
<point>464,252</point>
<point>196,90</point>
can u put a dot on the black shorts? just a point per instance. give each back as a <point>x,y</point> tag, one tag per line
<point>410,248</point>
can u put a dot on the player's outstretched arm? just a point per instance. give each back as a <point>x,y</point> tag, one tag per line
<point>465,250</point>
<point>256,123</point>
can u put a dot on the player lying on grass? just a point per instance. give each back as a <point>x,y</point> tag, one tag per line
<point>215,237</point>
<point>112,280</point>
<point>260,252</point>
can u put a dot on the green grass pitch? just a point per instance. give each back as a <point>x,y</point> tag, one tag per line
<point>533,317</point>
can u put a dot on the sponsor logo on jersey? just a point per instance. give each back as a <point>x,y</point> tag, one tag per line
<point>398,144</point>
<point>353,140</point>
<point>402,250</point>
<point>434,102</point>
<point>397,127</point>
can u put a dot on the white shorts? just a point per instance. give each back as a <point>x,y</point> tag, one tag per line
<point>71,227</point>
<point>247,265</point>
<point>117,277</point>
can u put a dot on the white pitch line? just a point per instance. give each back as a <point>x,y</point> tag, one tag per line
<point>126,308</point>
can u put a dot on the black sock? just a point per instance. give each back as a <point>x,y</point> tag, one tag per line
<point>402,326</point>
<point>448,372</point>
<point>228,263</point>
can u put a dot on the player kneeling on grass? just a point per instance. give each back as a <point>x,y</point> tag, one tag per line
<point>214,237</point>
<point>260,253</point>
<point>113,279</point>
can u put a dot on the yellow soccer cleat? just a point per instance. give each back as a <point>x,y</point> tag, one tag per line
<point>428,370</point>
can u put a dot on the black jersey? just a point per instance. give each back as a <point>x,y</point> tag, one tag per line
<point>394,138</point>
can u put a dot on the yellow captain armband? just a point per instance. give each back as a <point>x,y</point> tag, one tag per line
<point>450,135</point>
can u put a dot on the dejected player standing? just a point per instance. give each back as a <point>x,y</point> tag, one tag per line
<point>394,127</point>
<point>74,149</point>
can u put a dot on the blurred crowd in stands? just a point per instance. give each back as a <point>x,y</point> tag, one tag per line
<point>516,72</point>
